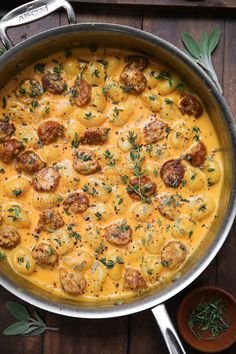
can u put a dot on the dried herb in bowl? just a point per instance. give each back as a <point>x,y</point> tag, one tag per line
<point>208,318</point>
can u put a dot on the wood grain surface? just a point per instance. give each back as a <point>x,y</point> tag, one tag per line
<point>198,4</point>
<point>138,333</point>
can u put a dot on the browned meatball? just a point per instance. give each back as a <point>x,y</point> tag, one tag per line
<point>85,162</point>
<point>154,131</point>
<point>76,203</point>
<point>9,237</point>
<point>133,79</point>
<point>119,233</point>
<point>46,180</point>
<point>72,283</point>
<point>143,185</point>
<point>49,131</point>
<point>136,61</point>
<point>168,206</point>
<point>29,162</point>
<point>44,254</point>
<point>49,220</point>
<point>196,154</point>
<point>81,93</point>
<point>133,279</point>
<point>53,83</point>
<point>7,129</point>
<point>94,136</point>
<point>191,106</point>
<point>173,254</point>
<point>29,90</point>
<point>9,149</point>
<point>172,173</point>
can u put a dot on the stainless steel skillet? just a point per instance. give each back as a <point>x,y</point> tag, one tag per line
<point>110,35</point>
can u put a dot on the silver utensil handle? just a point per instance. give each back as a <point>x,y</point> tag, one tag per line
<point>30,12</point>
<point>167,329</point>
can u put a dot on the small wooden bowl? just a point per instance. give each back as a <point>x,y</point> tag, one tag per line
<point>219,343</point>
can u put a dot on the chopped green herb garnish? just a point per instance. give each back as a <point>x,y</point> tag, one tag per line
<point>208,317</point>
<point>39,67</point>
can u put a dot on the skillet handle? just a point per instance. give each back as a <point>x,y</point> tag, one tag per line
<point>30,12</point>
<point>167,329</point>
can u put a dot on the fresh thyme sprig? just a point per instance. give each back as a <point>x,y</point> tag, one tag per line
<point>208,317</point>
<point>26,326</point>
<point>201,52</point>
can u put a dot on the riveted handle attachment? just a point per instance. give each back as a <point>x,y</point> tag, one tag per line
<point>30,12</point>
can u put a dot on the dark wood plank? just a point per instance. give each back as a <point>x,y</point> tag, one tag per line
<point>226,263</point>
<point>88,336</point>
<point>168,3</point>
<point>145,336</point>
<point>93,13</point>
<point>15,344</point>
<point>177,4</point>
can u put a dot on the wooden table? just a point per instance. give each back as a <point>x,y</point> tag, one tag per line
<point>137,334</point>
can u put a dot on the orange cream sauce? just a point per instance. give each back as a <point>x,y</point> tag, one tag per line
<point>121,112</point>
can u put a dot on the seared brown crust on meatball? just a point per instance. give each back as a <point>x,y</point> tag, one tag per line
<point>94,136</point>
<point>72,283</point>
<point>44,254</point>
<point>118,233</point>
<point>172,173</point>
<point>9,149</point>
<point>143,185</point>
<point>81,93</point>
<point>29,90</point>
<point>133,279</point>
<point>85,162</point>
<point>168,206</point>
<point>9,237</point>
<point>46,180</point>
<point>196,155</point>
<point>191,106</point>
<point>49,220</point>
<point>173,254</point>
<point>133,79</point>
<point>29,162</point>
<point>49,131</point>
<point>53,83</point>
<point>76,203</point>
<point>154,131</point>
<point>137,61</point>
<point>7,129</point>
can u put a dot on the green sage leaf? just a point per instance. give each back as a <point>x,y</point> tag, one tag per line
<point>39,319</point>
<point>204,44</point>
<point>213,39</point>
<point>34,331</point>
<point>191,45</point>
<point>16,328</point>
<point>17,310</point>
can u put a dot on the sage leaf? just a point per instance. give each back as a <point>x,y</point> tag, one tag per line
<point>201,53</point>
<point>213,39</point>
<point>17,310</point>
<point>39,319</point>
<point>204,44</point>
<point>16,328</point>
<point>191,45</point>
<point>27,326</point>
<point>34,331</point>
